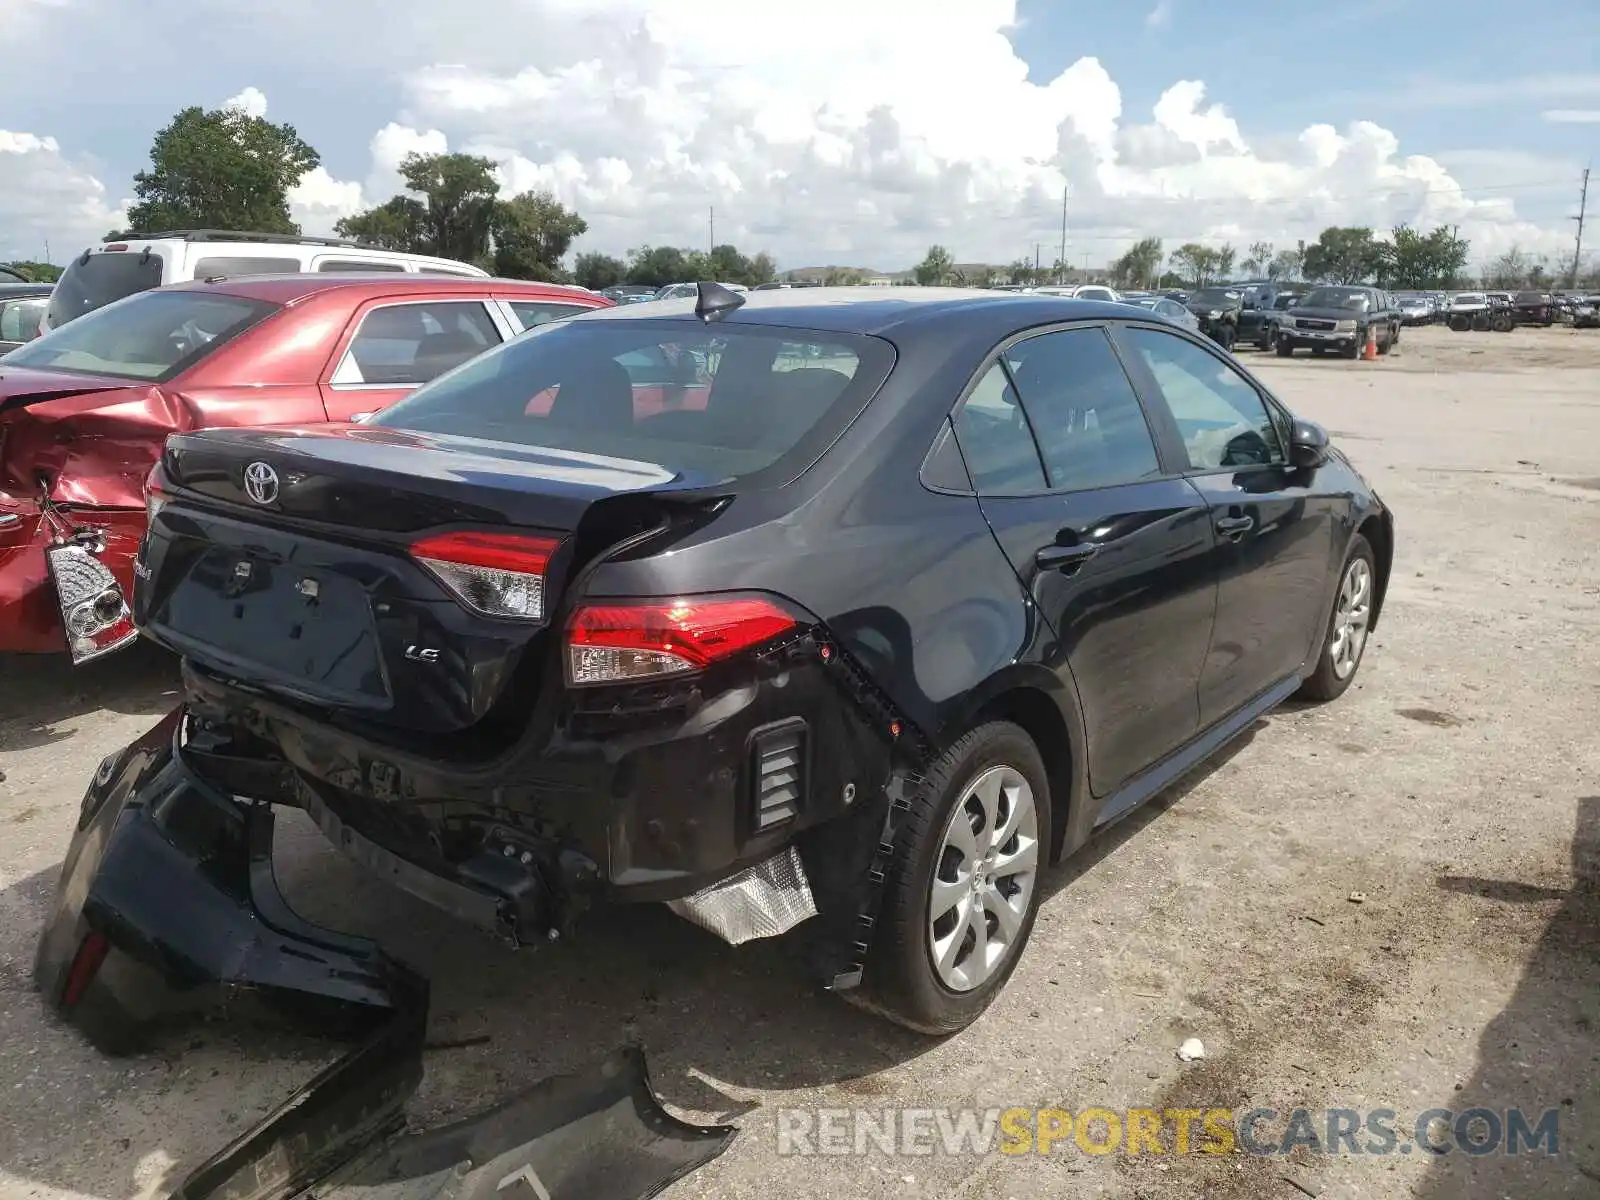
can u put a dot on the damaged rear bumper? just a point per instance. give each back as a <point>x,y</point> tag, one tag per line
<point>167,907</point>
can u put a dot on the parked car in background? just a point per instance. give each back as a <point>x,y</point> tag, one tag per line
<point>604,652</point>
<point>1415,309</point>
<point>628,293</point>
<point>1262,311</point>
<point>679,291</point>
<point>1340,318</point>
<point>85,409</point>
<point>1535,308</point>
<point>1586,312</point>
<point>22,308</point>
<point>1481,311</point>
<point>1217,310</point>
<point>1169,309</point>
<point>126,263</point>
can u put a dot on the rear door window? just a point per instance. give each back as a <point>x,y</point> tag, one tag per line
<point>95,280</point>
<point>1084,412</point>
<point>402,345</point>
<point>220,265</point>
<point>727,401</point>
<point>992,431</point>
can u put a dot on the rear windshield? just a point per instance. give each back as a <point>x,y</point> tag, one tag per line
<point>1336,298</point>
<point>90,284</point>
<point>151,336</point>
<point>724,402</point>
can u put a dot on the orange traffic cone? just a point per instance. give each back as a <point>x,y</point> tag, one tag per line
<point>1370,354</point>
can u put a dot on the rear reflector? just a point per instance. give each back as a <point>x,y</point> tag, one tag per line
<point>496,574</point>
<point>618,643</point>
<point>85,966</point>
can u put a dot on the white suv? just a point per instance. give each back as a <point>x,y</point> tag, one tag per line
<point>129,263</point>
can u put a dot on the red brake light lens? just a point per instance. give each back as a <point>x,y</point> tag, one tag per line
<point>620,643</point>
<point>496,574</point>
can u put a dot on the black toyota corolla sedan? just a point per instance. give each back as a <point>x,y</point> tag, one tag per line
<point>851,609</point>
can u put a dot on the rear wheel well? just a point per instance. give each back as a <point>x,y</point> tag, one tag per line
<point>1041,720</point>
<point>1381,538</point>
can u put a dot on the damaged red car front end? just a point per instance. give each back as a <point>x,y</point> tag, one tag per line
<point>74,453</point>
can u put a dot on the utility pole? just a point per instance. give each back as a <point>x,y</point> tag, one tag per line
<point>711,229</point>
<point>1036,262</point>
<point>1063,272</point>
<point>1577,250</point>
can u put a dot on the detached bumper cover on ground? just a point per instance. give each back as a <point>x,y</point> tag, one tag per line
<point>167,905</point>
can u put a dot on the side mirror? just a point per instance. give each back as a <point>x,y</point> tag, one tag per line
<point>1308,444</point>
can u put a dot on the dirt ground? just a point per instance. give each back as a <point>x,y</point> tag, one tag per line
<point>1456,788</point>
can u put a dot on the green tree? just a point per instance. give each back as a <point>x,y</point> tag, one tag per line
<point>1343,255</point>
<point>532,234</point>
<point>842,277</point>
<point>657,266</point>
<point>396,224</point>
<point>1258,260</point>
<point>1139,264</point>
<point>36,272</point>
<point>1510,270</point>
<point>450,211</point>
<point>599,271</point>
<point>1194,263</point>
<point>1410,259</point>
<point>1222,262</point>
<point>936,268</point>
<point>221,169</point>
<point>762,270</point>
<point>1288,264</point>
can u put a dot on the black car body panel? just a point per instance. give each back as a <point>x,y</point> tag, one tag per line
<point>1128,626</point>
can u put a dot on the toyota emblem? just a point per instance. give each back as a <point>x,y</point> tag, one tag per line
<point>261,483</point>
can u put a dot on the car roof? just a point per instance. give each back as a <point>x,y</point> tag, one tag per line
<point>25,290</point>
<point>877,310</point>
<point>286,289</point>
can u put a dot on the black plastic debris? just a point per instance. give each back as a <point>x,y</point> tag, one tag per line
<point>168,907</point>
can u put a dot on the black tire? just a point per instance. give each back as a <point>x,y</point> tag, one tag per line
<point>901,982</point>
<point>1324,683</point>
<point>1387,344</point>
<point>1285,349</point>
<point>1353,350</point>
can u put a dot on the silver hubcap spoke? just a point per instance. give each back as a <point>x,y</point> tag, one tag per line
<point>1351,616</point>
<point>983,878</point>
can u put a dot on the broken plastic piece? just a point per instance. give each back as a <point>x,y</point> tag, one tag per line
<point>762,901</point>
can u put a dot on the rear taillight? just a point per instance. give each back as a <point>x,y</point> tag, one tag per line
<point>155,496</point>
<point>623,642</point>
<point>496,574</point>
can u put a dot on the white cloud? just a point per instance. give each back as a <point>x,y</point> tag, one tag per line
<point>923,125</point>
<point>252,102</point>
<point>1160,16</point>
<point>47,198</point>
<point>1573,116</point>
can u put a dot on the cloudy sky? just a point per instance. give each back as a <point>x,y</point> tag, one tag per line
<point>844,131</point>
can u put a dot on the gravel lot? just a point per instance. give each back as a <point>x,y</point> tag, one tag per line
<point>1457,787</point>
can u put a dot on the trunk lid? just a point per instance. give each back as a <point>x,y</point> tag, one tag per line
<point>300,562</point>
<point>82,439</point>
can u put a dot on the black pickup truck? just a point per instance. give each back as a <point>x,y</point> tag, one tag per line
<point>1263,313</point>
<point>1340,318</point>
<point>1218,310</point>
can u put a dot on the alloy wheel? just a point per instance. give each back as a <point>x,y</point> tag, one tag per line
<point>983,879</point>
<point>1352,614</point>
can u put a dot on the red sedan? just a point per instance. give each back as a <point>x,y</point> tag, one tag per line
<point>85,410</point>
